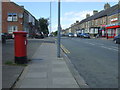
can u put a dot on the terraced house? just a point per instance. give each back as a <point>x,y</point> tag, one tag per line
<point>17,18</point>
<point>105,23</point>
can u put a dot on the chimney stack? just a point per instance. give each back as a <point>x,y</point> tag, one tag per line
<point>22,6</point>
<point>95,12</point>
<point>106,6</point>
<point>87,15</point>
<point>77,21</point>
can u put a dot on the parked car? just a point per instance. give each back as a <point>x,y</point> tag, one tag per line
<point>39,36</point>
<point>67,34</point>
<point>78,34</point>
<point>62,35</point>
<point>75,35</point>
<point>117,39</point>
<point>3,36</point>
<point>71,35</point>
<point>84,35</point>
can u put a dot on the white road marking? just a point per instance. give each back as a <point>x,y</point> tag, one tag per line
<point>90,43</point>
<point>114,47</point>
<point>109,48</point>
<point>98,43</point>
<point>102,45</point>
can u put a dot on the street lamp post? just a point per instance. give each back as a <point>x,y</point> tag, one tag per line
<point>59,31</point>
<point>50,17</point>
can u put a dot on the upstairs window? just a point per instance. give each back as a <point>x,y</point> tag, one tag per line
<point>15,17</point>
<point>9,17</point>
<point>12,17</point>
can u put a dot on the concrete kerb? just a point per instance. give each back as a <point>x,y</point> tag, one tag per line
<point>21,77</point>
<point>79,79</point>
<point>18,78</point>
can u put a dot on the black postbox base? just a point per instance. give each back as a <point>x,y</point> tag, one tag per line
<point>21,60</point>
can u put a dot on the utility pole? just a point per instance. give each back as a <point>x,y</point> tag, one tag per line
<point>0,20</point>
<point>59,31</point>
<point>50,17</point>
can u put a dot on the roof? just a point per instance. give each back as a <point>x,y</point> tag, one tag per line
<point>115,10</point>
<point>24,9</point>
<point>110,11</point>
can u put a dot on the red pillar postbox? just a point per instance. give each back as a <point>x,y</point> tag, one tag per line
<point>20,47</point>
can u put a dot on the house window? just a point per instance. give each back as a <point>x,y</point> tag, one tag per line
<point>96,31</point>
<point>9,17</point>
<point>15,17</point>
<point>92,22</point>
<point>11,29</point>
<point>101,21</point>
<point>12,17</point>
<point>96,22</point>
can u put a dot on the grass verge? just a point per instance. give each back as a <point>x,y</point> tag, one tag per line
<point>14,64</point>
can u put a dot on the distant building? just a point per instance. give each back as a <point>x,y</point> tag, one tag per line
<point>106,23</point>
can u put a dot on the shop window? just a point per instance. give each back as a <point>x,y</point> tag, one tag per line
<point>111,32</point>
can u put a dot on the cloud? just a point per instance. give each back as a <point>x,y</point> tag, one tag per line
<point>71,17</point>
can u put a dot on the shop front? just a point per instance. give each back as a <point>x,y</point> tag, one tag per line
<point>112,30</point>
<point>102,31</point>
<point>94,31</point>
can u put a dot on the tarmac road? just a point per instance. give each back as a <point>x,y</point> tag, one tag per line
<point>96,60</point>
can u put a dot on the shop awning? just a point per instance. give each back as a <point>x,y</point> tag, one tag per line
<point>110,27</point>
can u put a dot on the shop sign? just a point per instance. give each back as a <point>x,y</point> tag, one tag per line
<point>114,19</point>
<point>112,24</point>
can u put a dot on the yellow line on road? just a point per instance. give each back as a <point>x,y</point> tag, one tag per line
<point>64,49</point>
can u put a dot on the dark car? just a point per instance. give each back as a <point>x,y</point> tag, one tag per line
<point>117,39</point>
<point>84,35</point>
<point>67,34</point>
<point>78,34</point>
<point>39,36</point>
<point>3,38</point>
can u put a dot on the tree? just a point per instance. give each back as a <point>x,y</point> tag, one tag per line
<point>43,25</point>
<point>55,33</point>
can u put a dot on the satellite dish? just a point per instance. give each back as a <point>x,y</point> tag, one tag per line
<point>20,15</point>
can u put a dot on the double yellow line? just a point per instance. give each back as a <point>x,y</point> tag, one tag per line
<point>64,49</point>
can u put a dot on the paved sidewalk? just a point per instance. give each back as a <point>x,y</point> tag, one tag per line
<point>47,71</point>
<point>11,73</point>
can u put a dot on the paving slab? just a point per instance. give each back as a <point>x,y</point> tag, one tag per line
<point>10,75</point>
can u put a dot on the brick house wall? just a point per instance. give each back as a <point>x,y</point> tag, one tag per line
<point>10,7</point>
